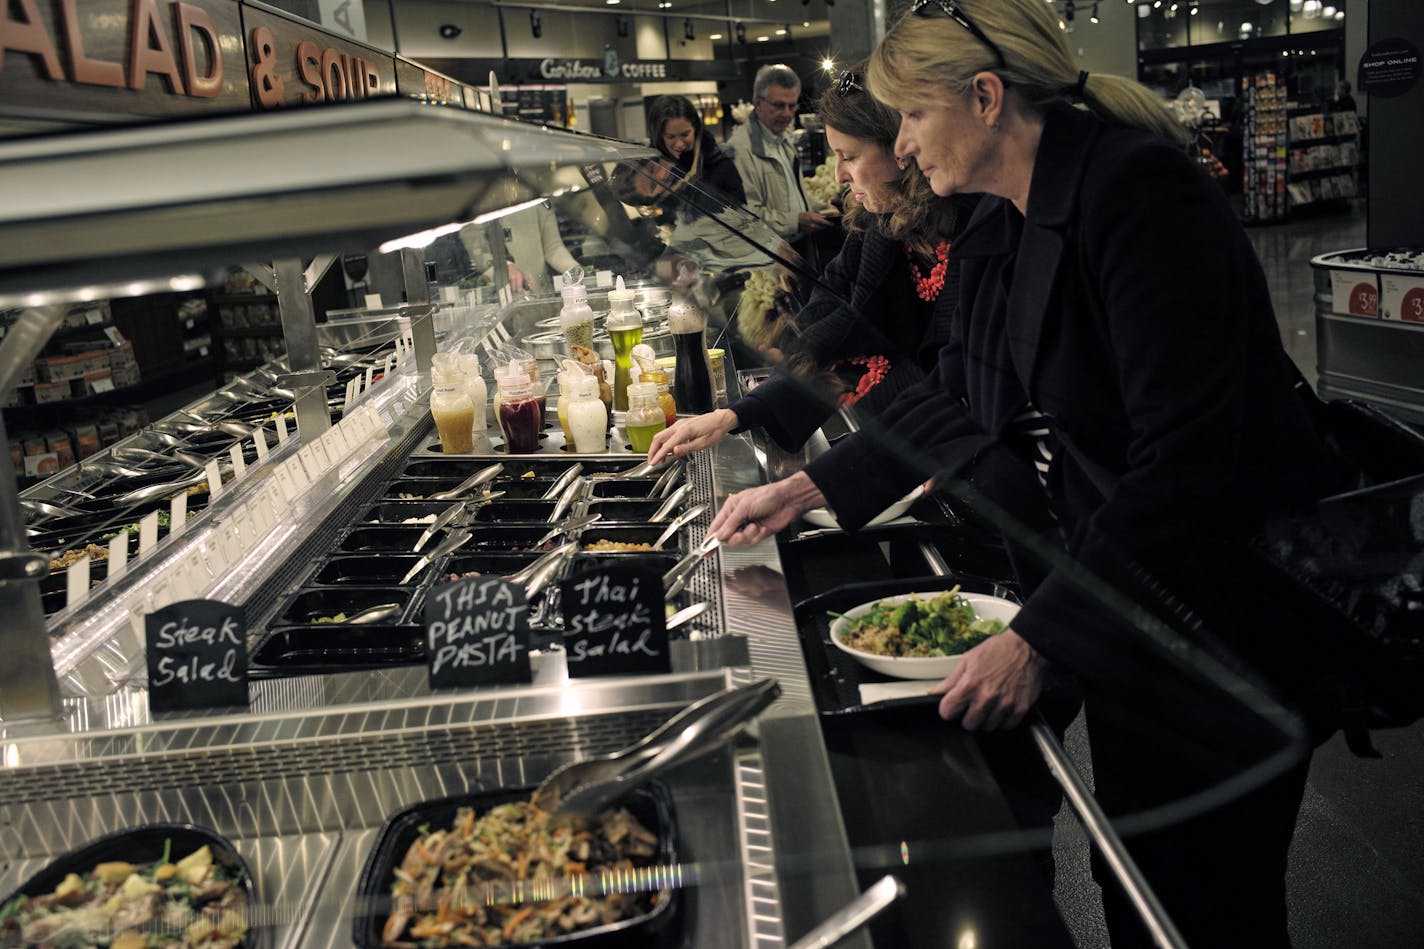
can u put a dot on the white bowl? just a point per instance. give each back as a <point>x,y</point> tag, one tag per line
<point>917,667</point>
<point>822,517</point>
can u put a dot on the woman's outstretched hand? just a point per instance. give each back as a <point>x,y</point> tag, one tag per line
<point>748,517</point>
<point>994,684</point>
<point>690,434</point>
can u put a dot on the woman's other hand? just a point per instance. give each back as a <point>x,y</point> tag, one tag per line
<point>994,685</point>
<point>693,433</point>
<point>517,282</point>
<point>748,517</point>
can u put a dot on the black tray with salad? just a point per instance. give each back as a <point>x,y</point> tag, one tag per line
<point>181,884</point>
<point>836,677</point>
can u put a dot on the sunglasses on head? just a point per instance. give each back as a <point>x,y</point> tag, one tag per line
<point>847,83</point>
<point>952,9</point>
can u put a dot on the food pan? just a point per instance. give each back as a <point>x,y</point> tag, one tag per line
<point>387,539</point>
<point>634,534</point>
<point>494,563</point>
<point>650,804</point>
<point>522,489</point>
<point>511,538</point>
<point>365,571</point>
<point>455,469</point>
<point>418,489</point>
<point>503,511</point>
<point>624,488</point>
<point>61,533</point>
<point>658,563</point>
<point>329,647</point>
<point>141,845</point>
<point>397,513</point>
<point>306,605</point>
<point>627,510</point>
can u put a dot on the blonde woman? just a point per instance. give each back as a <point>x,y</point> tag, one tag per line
<point>1116,333</point>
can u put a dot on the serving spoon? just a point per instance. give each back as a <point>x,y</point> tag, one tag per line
<point>473,481</point>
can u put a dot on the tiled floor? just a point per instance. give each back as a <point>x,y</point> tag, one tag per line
<point>1356,874</point>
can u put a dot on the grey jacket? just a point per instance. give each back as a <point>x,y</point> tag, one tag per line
<point>767,194</point>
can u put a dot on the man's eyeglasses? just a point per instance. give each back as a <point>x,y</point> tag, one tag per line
<point>847,83</point>
<point>780,106</point>
<point>952,9</point>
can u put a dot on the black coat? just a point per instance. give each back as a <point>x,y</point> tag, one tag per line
<point>710,188</point>
<point>1130,300</point>
<point>863,305</point>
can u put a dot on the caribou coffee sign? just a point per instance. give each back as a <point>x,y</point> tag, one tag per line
<point>139,56</point>
<point>609,69</point>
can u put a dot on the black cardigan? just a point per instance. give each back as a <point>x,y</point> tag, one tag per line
<point>863,292</point>
<point>1131,301</point>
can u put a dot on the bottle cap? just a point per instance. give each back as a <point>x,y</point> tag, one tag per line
<point>642,390</point>
<point>620,293</point>
<point>583,386</point>
<point>574,293</point>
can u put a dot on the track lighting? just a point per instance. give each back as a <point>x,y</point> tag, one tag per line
<point>687,31</point>
<point>536,23</point>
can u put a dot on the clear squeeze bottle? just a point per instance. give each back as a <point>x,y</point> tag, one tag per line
<point>587,416</point>
<point>452,409</point>
<point>576,317</point>
<point>518,414</point>
<point>475,387</point>
<point>645,416</point>
<point>625,330</point>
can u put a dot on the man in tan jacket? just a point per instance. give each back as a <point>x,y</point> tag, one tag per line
<point>766,158</point>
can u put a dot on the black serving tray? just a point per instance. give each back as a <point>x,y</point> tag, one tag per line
<point>505,511</point>
<point>624,488</point>
<point>140,845</point>
<point>836,677</point>
<point>394,513</point>
<point>634,534</point>
<point>386,569</point>
<point>306,604</point>
<point>364,539</point>
<point>650,804</point>
<point>627,510</point>
<point>337,647</point>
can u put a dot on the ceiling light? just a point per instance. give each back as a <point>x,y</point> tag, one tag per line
<point>780,32</point>
<point>828,64</point>
<point>763,39</point>
<point>1339,14</point>
<point>1329,11</point>
<point>613,3</point>
<point>715,36</point>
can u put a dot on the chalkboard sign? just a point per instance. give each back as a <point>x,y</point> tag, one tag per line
<point>197,656</point>
<point>476,633</point>
<point>614,623</point>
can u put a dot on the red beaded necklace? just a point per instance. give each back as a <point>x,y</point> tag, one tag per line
<point>928,288</point>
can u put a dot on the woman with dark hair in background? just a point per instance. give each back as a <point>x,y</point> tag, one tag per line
<point>888,296</point>
<point>690,156</point>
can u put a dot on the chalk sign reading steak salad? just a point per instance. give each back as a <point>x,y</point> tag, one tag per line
<point>197,656</point>
<point>614,623</point>
<point>477,633</point>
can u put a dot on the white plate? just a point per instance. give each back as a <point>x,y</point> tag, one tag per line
<point>918,667</point>
<point>822,517</point>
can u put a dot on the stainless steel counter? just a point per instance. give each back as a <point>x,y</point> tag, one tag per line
<point>303,781</point>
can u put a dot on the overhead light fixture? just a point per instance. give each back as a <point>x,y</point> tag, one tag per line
<point>448,31</point>
<point>621,22</point>
<point>763,39</point>
<point>715,36</point>
<point>1093,16</point>
<point>781,32</point>
<point>687,30</point>
<point>1328,12</point>
<point>1339,14</point>
<point>536,23</point>
<point>828,64</point>
<point>741,32</point>
<point>613,3</point>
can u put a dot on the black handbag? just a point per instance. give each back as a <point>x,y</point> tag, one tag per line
<point>1360,555</point>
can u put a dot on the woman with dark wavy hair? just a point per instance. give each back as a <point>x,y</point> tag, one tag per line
<point>885,302</point>
<point>691,156</point>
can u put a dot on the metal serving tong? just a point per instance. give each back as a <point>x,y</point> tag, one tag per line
<point>473,481</point>
<point>637,471</point>
<point>853,915</point>
<point>453,513</point>
<point>562,481</point>
<point>567,527</point>
<point>670,505</point>
<point>584,787</point>
<point>373,614</point>
<point>539,573</point>
<point>449,545</point>
<point>678,523</point>
<point>675,580</point>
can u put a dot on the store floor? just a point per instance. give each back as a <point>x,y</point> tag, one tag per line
<point>1357,864</point>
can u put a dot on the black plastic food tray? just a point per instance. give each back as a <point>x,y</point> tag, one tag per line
<point>836,677</point>
<point>140,845</point>
<point>650,804</point>
<point>337,647</point>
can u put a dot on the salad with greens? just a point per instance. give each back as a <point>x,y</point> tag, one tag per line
<point>943,625</point>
